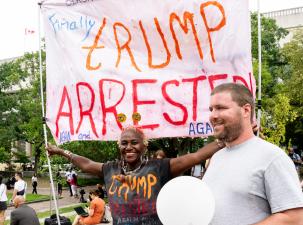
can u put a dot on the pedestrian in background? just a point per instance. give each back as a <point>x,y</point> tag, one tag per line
<point>295,158</point>
<point>74,185</point>
<point>160,154</point>
<point>59,181</point>
<point>68,176</point>
<point>3,199</point>
<point>34,183</point>
<point>20,186</point>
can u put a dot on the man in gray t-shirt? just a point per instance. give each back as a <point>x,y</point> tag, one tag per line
<point>253,181</point>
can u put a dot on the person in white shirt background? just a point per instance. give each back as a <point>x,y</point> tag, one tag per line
<point>3,199</point>
<point>20,186</point>
<point>68,176</point>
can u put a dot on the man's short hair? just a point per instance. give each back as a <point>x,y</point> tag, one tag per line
<point>239,94</point>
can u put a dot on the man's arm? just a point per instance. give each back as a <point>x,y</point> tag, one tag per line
<point>85,164</point>
<point>180,164</point>
<point>288,217</point>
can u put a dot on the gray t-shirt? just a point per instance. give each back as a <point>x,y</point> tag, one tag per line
<point>251,181</point>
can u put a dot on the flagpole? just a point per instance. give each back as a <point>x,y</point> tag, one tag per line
<point>44,120</point>
<point>259,69</point>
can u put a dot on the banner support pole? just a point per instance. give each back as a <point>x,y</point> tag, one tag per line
<point>44,120</point>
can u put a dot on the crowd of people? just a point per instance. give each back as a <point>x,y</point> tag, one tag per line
<point>25,215</point>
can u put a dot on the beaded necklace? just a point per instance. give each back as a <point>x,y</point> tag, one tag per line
<point>126,171</point>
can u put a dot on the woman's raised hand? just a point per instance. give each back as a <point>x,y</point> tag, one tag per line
<point>53,150</point>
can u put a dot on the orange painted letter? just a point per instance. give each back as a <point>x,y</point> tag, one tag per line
<point>186,17</point>
<point>125,45</point>
<point>93,47</point>
<point>212,29</point>
<point>150,56</point>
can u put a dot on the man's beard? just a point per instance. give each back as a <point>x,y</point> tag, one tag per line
<point>230,132</point>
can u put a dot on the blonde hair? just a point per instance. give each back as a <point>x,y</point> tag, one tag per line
<point>136,130</point>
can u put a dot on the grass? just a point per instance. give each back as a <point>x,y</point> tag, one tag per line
<point>32,197</point>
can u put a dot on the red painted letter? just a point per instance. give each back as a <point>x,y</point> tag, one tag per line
<point>213,78</point>
<point>65,114</point>
<point>195,97</point>
<point>177,104</point>
<point>89,111</point>
<point>137,102</point>
<point>109,109</point>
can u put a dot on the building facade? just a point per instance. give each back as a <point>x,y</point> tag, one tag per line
<point>290,19</point>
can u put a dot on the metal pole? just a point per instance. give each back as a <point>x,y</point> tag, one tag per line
<point>260,69</point>
<point>44,121</point>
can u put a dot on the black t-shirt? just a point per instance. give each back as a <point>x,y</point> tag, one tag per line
<point>133,201</point>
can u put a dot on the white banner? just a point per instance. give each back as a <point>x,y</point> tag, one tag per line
<point>152,64</point>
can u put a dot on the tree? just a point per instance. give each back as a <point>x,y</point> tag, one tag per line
<point>22,117</point>
<point>275,119</point>
<point>5,156</point>
<point>277,110</point>
<point>272,58</point>
<point>100,151</point>
<point>293,52</point>
<point>10,76</point>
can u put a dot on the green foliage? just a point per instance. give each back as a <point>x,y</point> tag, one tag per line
<point>5,156</point>
<point>274,66</point>
<point>271,34</point>
<point>100,151</point>
<point>10,76</point>
<point>277,107</point>
<point>175,146</point>
<point>88,182</point>
<point>275,118</point>
<point>20,157</point>
<point>20,108</point>
<point>293,52</point>
<point>266,78</point>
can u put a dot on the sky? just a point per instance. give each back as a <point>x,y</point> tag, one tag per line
<point>19,23</point>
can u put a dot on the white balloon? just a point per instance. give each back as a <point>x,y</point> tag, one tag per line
<point>185,200</point>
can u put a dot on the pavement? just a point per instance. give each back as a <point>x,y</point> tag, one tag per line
<point>65,201</point>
